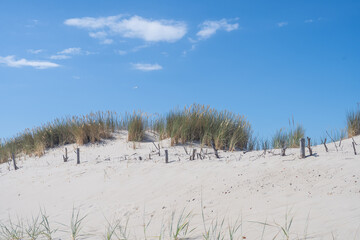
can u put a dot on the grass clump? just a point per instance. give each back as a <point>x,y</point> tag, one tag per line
<point>223,129</point>
<point>85,129</point>
<point>207,125</point>
<point>353,123</point>
<point>284,138</point>
<point>136,127</point>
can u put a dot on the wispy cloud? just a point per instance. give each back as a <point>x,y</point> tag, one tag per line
<point>68,53</point>
<point>71,51</point>
<point>209,28</point>
<point>10,61</point>
<point>102,36</point>
<point>193,47</point>
<point>121,52</point>
<point>146,67</point>
<point>282,24</point>
<point>35,51</point>
<point>309,21</point>
<point>59,57</point>
<point>131,27</point>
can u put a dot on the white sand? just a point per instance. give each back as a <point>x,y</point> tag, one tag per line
<point>250,186</point>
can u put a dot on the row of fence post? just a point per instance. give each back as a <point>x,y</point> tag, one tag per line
<point>66,158</point>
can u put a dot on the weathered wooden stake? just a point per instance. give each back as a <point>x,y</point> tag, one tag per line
<point>193,154</point>
<point>302,148</point>
<point>215,150</point>
<point>325,145</point>
<point>309,145</point>
<point>78,156</point>
<point>283,151</point>
<point>353,144</point>
<point>13,157</point>
<point>66,156</point>
<point>166,156</point>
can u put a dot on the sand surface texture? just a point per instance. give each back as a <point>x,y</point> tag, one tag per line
<point>321,192</point>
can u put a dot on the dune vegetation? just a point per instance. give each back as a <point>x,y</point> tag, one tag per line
<point>195,123</point>
<point>288,138</point>
<point>353,123</point>
<point>222,129</point>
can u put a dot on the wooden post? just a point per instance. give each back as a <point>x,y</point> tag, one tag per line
<point>325,145</point>
<point>193,154</point>
<point>78,156</point>
<point>283,151</point>
<point>13,157</point>
<point>66,156</point>
<point>309,145</point>
<point>215,150</point>
<point>166,156</point>
<point>353,144</point>
<point>302,148</point>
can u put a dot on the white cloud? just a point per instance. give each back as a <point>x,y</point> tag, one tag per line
<point>68,52</point>
<point>146,67</point>
<point>193,47</point>
<point>309,21</point>
<point>72,51</point>
<point>132,27</point>
<point>102,35</point>
<point>10,61</point>
<point>107,41</point>
<point>35,51</point>
<point>209,28</point>
<point>282,24</point>
<point>59,57</point>
<point>121,52</point>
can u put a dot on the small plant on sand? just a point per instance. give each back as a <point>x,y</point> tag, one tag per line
<point>284,138</point>
<point>280,140</point>
<point>12,231</point>
<point>180,229</point>
<point>353,123</point>
<point>76,224</point>
<point>136,127</point>
<point>110,230</point>
<point>123,231</point>
<point>34,228</point>
<point>47,231</point>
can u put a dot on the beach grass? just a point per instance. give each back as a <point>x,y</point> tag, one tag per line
<point>194,123</point>
<point>179,226</point>
<point>353,123</point>
<point>288,137</point>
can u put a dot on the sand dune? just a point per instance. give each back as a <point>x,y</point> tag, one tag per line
<point>321,191</point>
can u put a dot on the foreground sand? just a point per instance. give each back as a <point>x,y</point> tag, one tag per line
<point>321,192</point>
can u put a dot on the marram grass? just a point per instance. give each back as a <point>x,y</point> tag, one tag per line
<point>353,123</point>
<point>194,123</point>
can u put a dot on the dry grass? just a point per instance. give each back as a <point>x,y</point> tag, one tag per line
<point>195,123</point>
<point>353,123</point>
<point>178,226</point>
<point>90,128</point>
<point>137,124</point>
<point>288,138</point>
<point>206,125</point>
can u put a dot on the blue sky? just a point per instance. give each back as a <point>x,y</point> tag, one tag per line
<point>268,60</point>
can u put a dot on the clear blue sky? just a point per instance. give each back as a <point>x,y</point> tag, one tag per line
<point>268,60</point>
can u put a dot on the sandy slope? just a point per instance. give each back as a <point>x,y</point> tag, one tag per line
<point>112,183</point>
